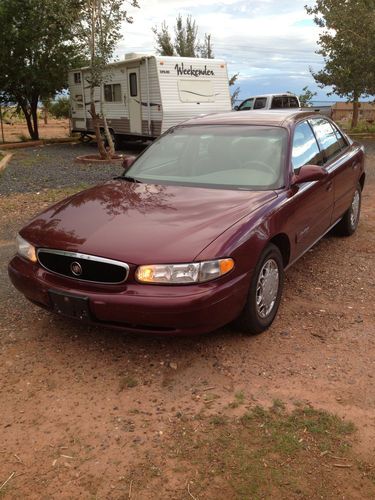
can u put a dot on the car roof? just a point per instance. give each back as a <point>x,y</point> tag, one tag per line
<point>280,117</point>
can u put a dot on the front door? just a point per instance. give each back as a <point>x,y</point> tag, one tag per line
<point>135,106</point>
<point>313,200</point>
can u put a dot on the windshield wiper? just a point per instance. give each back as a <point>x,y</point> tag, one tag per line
<point>127,178</point>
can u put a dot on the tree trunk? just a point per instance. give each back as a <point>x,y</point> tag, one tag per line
<point>355,112</point>
<point>109,137</point>
<point>99,139</point>
<point>29,122</point>
<point>34,115</point>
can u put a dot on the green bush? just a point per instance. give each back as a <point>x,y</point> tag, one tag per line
<point>364,127</point>
<point>60,108</point>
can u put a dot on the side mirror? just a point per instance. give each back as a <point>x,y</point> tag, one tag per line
<point>309,173</point>
<point>128,161</point>
<point>235,108</point>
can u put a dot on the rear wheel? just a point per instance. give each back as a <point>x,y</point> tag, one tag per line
<point>265,292</point>
<point>349,223</point>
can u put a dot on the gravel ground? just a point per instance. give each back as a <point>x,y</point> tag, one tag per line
<point>53,166</point>
<point>87,412</point>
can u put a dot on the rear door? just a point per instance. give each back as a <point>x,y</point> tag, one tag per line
<point>135,104</point>
<point>260,103</point>
<point>343,168</point>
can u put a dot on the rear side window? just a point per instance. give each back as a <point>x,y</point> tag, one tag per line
<point>340,137</point>
<point>293,102</point>
<point>305,148</point>
<point>327,138</point>
<point>248,104</point>
<point>260,102</point>
<point>284,101</point>
<point>277,102</point>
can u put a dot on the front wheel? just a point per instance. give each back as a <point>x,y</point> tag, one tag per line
<point>264,293</point>
<point>349,223</point>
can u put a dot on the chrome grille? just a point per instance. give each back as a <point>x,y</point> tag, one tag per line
<point>83,267</point>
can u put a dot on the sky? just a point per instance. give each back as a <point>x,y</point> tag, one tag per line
<point>270,43</point>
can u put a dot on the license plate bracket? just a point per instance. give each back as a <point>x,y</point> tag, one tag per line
<point>73,306</point>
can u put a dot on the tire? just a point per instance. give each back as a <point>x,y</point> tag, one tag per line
<point>259,314</point>
<point>349,223</point>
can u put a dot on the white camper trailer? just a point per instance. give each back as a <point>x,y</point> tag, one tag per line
<point>144,95</point>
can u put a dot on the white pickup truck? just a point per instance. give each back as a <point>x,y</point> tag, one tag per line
<point>269,101</point>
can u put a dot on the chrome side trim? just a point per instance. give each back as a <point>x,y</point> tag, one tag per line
<point>85,256</point>
<point>310,247</point>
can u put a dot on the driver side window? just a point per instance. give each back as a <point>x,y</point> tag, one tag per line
<point>305,148</point>
<point>248,104</point>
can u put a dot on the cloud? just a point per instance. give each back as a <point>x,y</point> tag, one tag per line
<point>270,43</point>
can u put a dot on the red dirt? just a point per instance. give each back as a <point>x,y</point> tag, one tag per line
<point>83,407</point>
<point>18,131</point>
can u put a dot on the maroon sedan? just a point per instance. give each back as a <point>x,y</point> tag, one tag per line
<point>201,227</point>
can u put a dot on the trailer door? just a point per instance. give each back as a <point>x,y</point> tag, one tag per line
<point>135,106</point>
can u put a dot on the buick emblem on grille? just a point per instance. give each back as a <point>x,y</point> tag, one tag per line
<point>76,268</point>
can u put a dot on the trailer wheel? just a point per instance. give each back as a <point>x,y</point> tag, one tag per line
<point>85,137</point>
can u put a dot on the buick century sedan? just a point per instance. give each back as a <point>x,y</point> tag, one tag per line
<point>199,229</point>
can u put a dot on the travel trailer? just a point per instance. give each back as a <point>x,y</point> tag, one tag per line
<point>143,95</point>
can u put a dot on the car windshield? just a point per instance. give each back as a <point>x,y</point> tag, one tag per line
<point>239,157</point>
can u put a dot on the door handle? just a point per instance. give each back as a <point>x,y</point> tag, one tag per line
<point>329,186</point>
<point>355,165</point>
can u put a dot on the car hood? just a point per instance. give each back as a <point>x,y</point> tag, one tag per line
<point>142,223</point>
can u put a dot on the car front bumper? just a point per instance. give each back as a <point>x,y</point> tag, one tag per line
<point>159,309</point>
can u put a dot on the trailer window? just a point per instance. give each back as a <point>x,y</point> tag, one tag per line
<point>196,91</point>
<point>112,92</point>
<point>77,78</point>
<point>133,84</point>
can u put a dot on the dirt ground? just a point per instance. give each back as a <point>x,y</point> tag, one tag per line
<point>93,413</point>
<point>18,131</point>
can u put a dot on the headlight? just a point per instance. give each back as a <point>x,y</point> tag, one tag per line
<point>196,272</point>
<point>25,249</point>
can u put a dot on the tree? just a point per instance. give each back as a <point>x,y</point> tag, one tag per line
<point>163,40</point>
<point>306,97</point>
<point>187,44</point>
<point>98,32</point>
<point>206,49</point>
<point>347,43</point>
<point>35,52</point>
<point>60,108</point>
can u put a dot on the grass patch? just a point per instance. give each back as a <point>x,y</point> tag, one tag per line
<point>127,382</point>
<point>239,399</point>
<point>364,127</point>
<point>266,453</point>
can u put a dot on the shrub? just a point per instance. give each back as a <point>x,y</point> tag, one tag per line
<point>60,108</point>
